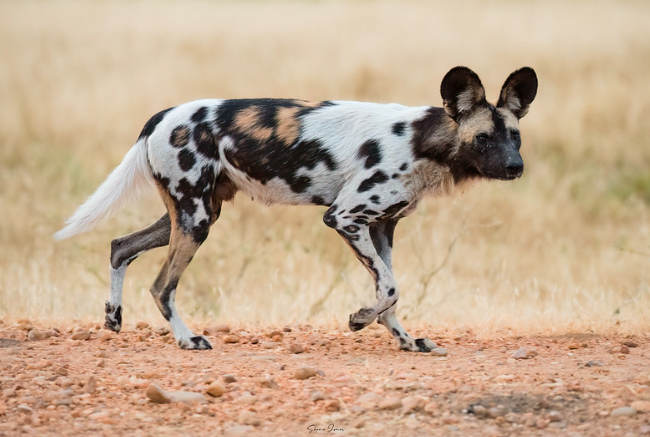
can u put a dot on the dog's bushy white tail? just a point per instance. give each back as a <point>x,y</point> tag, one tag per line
<point>124,184</point>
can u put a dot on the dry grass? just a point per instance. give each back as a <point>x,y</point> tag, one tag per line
<point>556,250</point>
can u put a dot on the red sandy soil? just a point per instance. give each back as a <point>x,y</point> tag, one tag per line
<point>91,382</point>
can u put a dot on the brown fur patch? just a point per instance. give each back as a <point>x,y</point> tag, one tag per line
<point>180,136</point>
<point>479,121</point>
<point>509,118</point>
<point>288,125</point>
<point>247,121</point>
<point>308,103</point>
<point>429,176</point>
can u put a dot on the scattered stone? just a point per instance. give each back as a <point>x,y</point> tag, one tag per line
<point>369,400</point>
<point>269,382</point>
<point>594,363</point>
<point>246,399</point>
<point>255,340</point>
<point>432,408</point>
<point>228,378</point>
<point>296,348</point>
<point>157,395</point>
<point>81,335</point>
<point>641,406</point>
<point>630,343</point>
<point>411,404</point>
<point>390,403</point>
<point>524,354</point>
<point>495,412</point>
<point>101,363</point>
<point>332,405</point>
<point>317,395</point>
<point>141,326</point>
<point>216,389</point>
<point>623,412</point>
<point>36,335</point>
<point>91,385</point>
<point>230,338</point>
<point>439,352</point>
<point>286,329</point>
<point>247,417</point>
<point>574,345</point>
<point>619,349</point>
<point>554,416</point>
<point>305,373</point>
<point>105,336</point>
<point>24,408</point>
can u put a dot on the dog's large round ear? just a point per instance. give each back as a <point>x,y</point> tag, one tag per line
<point>519,91</point>
<point>461,90</point>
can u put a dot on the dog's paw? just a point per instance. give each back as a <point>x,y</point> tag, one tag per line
<point>113,319</point>
<point>198,342</point>
<point>362,318</point>
<point>418,345</point>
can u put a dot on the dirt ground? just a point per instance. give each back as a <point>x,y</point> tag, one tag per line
<point>301,380</point>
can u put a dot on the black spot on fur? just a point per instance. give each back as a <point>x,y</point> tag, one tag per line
<point>352,229</point>
<point>357,208</point>
<point>317,200</point>
<point>404,167</point>
<point>394,209</point>
<point>329,218</point>
<point>180,136</point>
<point>361,221</point>
<point>395,175</point>
<point>150,125</point>
<point>391,292</point>
<point>398,128</point>
<point>371,152</point>
<point>370,212</point>
<point>200,114</point>
<point>186,160</point>
<point>205,140</point>
<point>375,199</point>
<point>378,178</point>
<point>396,332</point>
<point>301,184</point>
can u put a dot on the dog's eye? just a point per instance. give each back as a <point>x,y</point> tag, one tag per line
<point>481,138</point>
<point>515,135</point>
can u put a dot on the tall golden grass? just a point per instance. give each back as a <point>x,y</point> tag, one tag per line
<point>565,247</point>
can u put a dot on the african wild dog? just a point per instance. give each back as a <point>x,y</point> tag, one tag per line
<point>369,163</point>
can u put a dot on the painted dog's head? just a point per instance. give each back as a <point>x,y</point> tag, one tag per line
<point>488,135</point>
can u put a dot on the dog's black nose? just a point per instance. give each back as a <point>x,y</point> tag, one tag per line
<point>515,167</point>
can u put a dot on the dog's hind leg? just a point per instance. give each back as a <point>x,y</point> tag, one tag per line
<point>123,251</point>
<point>381,234</point>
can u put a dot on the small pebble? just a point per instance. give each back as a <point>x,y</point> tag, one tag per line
<point>36,335</point>
<point>91,385</point>
<point>221,328</point>
<point>368,400</point>
<point>157,395</point>
<point>630,343</point>
<point>269,382</point>
<point>524,354</point>
<point>439,352</point>
<point>230,338</point>
<point>305,372</point>
<point>317,395</point>
<point>296,348</point>
<point>228,378</point>
<point>81,335</point>
<point>247,417</point>
<point>623,412</point>
<point>390,403</point>
<point>141,326</point>
<point>594,363</point>
<point>216,389</point>
<point>332,405</point>
<point>641,406</point>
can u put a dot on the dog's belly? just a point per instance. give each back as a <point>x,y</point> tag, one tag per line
<point>309,187</point>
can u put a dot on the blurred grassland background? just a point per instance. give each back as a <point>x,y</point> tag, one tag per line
<point>567,247</point>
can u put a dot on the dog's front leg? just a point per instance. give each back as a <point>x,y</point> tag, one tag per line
<point>381,234</point>
<point>357,235</point>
